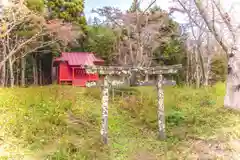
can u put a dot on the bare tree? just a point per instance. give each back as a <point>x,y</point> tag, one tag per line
<point>232,51</point>
<point>23,69</point>
<point>209,50</point>
<point>14,19</point>
<point>224,30</point>
<point>197,32</point>
<point>3,70</point>
<point>139,34</point>
<point>25,32</point>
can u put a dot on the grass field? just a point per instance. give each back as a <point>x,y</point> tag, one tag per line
<point>35,124</point>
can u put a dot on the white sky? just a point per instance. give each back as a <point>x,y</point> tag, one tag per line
<point>164,4</point>
<point>121,4</point>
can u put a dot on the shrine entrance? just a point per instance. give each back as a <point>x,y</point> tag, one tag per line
<point>108,71</point>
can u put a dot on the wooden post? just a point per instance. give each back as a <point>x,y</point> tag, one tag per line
<point>105,98</point>
<point>35,71</point>
<point>23,70</point>
<point>113,70</point>
<point>160,109</point>
<point>40,73</point>
<point>113,94</point>
<point>3,75</point>
<point>73,69</point>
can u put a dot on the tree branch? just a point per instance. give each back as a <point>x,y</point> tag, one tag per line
<point>210,25</point>
<point>11,53</point>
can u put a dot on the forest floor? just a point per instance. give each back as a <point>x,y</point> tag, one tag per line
<point>63,123</point>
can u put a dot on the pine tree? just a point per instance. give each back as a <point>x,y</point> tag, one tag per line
<point>134,7</point>
<point>69,11</point>
<point>35,5</point>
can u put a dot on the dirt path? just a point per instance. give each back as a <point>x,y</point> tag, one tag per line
<point>225,145</point>
<point>197,150</point>
<point>204,150</point>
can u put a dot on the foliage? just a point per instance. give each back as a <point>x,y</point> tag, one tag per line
<point>39,121</point>
<point>101,40</point>
<point>180,105</point>
<point>174,118</point>
<point>69,11</point>
<point>139,34</point>
<point>94,93</point>
<point>135,7</point>
<point>218,69</point>
<point>155,8</point>
<point>172,51</point>
<point>29,31</point>
<point>35,5</point>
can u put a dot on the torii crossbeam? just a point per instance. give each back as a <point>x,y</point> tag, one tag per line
<point>127,71</point>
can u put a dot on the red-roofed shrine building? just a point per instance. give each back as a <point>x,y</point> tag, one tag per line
<point>70,68</point>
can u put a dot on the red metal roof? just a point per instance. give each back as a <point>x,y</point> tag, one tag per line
<point>79,58</point>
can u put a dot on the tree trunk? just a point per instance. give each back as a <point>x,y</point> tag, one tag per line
<point>17,76</point>
<point>208,70</point>
<point>160,110</point>
<point>3,69</point>
<point>11,72</point>
<point>105,98</point>
<point>35,72</point>
<point>7,75</point>
<point>3,75</point>
<point>146,78</point>
<point>133,78</point>
<point>54,73</point>
<point>191,69</point>
<point>23,69</point>
<point>206,80</point>
<point>40,72</point>
<point>231,99</point>
<point>188,66</point>
<point>198,78</point>
<point>201,65</point>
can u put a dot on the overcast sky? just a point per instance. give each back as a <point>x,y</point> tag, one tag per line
<point>164,4</point>
<point>121,4</point>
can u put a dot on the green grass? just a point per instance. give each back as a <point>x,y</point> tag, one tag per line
<point>34,122</point>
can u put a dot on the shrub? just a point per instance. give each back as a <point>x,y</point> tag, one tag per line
<point>174,118</point>
<point>218,69</point>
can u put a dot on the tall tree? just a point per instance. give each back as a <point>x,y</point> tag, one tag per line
<point>198,46</point>
<point>69,11</point>
<point>135,6</point>
<point>24,31</point>
<point>225,31</point>
<point>139,34</point>
<point>100,40</point>
<point>35,5</point>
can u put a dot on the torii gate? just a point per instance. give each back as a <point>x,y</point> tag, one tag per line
<point>126,71</point>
